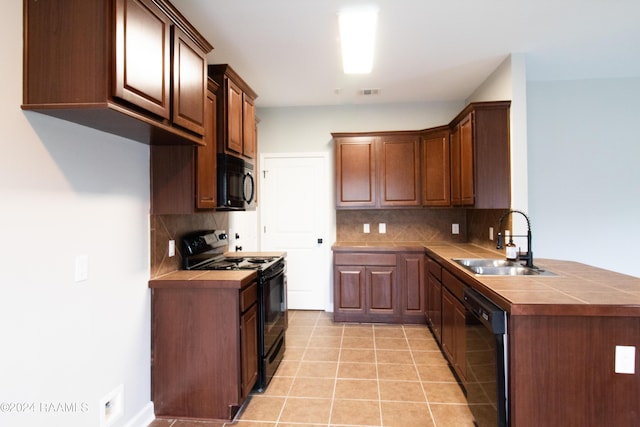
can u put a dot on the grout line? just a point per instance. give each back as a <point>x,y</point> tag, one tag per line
<point>335,380</point>
<point>415,366</point>
<point>375,359</point>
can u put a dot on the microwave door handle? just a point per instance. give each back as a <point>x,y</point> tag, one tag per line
<point>253,187</point>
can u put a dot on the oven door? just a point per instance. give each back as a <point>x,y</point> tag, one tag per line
<point>272,289</point>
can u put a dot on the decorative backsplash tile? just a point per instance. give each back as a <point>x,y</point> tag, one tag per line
<point>403,225</point>
<point>173,227</point>
<point>478,223</point>
<point>418,225</point>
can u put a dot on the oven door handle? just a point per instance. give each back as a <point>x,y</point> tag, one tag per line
<point>278,271</point>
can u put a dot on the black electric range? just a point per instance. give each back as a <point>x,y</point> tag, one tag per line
<point>204,250</point>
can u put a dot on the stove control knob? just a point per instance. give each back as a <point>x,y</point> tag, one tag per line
<point>222,236</point>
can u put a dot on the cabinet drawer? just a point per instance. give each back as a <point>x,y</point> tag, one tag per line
<point>435,269</point>
<point>248,297</point>
<point>455,286</point>
<point>364,259</point>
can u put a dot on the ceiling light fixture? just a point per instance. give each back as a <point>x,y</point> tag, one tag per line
<point>357,36</point>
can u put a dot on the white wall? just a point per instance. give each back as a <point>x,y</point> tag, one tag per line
<point>67,190</point>
<point>584,174</point>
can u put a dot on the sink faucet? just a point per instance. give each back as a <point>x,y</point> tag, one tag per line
<point>527,256</point>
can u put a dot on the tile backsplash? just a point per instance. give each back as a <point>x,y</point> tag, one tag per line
<point>173,227</point>
<point>418,225</point>
<point>402,225</point>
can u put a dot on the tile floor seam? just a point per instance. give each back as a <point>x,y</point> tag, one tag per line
<point>424,391</point>
<point>335,380</point>
<point>375,359</point>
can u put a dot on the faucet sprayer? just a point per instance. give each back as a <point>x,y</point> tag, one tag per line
<point>528,256</point>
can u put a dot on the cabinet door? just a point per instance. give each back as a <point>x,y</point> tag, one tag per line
<point>460,341</point>
<point>355,172</point>
<point>448,330</point>
<point>249,349</point>
<point>434,310</point>
<point>462,163</point>
<point>189,83</point>
<point>436,184</point>
<point>400,171</point>
<point>467,191</point>
<point>349,293</point>
<point>456,196</point>
<point>142,57</point>
<point>380,290</point>
<point>234,117</point>
<point>412,288</point>
<point>206,174</point>
<point>249,144</point>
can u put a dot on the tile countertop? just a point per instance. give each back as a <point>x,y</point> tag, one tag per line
<point>234,279</point>
<point>576,289</point>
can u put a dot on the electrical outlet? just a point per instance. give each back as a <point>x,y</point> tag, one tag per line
<point>366,228</point>
<point>455,228</point>
<point>625,359</point>
<point>111,407</point>
<point>382,228</point>
<point>490,233</point>
<point>172,248</point>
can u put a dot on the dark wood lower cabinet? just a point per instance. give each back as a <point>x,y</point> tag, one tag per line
<point>562,371</point>
<point>204,350</point>
<point>379,287</point>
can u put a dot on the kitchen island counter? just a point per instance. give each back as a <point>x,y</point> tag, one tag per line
<point>575,289</point>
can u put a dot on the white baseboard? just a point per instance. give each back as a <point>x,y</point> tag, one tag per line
<point>143,418</point>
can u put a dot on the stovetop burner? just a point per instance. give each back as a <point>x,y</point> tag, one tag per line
<point>203,250</point>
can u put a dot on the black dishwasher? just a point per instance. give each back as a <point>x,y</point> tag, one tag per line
<point>486,358</point>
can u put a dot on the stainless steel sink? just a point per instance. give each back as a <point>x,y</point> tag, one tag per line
<point>499,267</point>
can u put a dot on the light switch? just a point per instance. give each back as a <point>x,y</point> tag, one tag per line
<point>625,359</point>
<point>82,268</point>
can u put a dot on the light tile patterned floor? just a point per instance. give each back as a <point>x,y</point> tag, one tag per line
<point>373,375</point>
<point>337,374</point>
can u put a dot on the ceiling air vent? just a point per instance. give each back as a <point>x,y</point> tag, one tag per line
<point>369,91</point>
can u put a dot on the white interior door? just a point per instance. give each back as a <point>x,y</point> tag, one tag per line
<point>294,218</point>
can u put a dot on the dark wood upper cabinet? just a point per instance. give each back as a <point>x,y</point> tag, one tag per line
<point>464,163</point>
<point>356,183</point>
<point>236,113</point>
<point>184,178</point>
<point>399,174</point>
<point>377,170</point>
<point>134,68</point>
<point>143,56</point>
<point>206,156</point>
<point>436,168</point>
<point>189,82</point>
<point>480,156</point>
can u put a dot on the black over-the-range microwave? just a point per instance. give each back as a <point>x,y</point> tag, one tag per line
<point>236,183</point>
